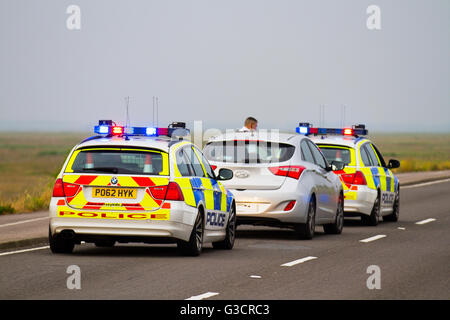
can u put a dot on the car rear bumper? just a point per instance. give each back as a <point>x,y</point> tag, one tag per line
<point>359,201</point>
<point>125,225</point>
<point>267,207</point>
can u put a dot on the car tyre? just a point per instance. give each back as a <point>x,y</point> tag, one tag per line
<point>193,247</point>
<point>393,217</point>
<point>338,225</point>
<point>305,231</point>
<point>230,237</point>
<point>372,219</point>
<point>60,245</point>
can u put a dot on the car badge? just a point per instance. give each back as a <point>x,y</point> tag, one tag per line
<point>114,180</point>
<point>241,174</point>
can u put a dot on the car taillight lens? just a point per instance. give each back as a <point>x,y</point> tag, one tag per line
<point>359,178</point>
<point>354,178</point>
<point>288,171</point>
<point>213,167</point>
<point>174,192</point>
<point>70,189</point>
<point>158,192</point>
<point>58,190</point>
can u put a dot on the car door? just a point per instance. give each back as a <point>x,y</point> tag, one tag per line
<point>386,175</point>
<point>379,175</point>
<point>317,179</point>
<point>205,182</point>
<point>328,196</point>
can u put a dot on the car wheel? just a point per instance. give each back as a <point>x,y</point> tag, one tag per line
<point>228,242</point>
<point>60,245</point>
<point>193,247</point>
<point>338,225</point>
<point>393,217</point>
<point>305,231</point>
<point>372,219</point>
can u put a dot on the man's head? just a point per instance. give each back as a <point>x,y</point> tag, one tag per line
<point>251,123</point>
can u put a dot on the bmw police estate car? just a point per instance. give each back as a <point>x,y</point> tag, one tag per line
<point>371,190</point>
<point>280,180</point>
<point>140,185</point>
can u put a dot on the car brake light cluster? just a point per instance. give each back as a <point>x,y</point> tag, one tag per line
<point>354,178</point>
<point>287,171</point>
<point>64,189</point>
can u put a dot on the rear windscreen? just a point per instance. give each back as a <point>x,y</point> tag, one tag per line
<point>243,151</point>
<point>119,162</point>
<point>336,154</point>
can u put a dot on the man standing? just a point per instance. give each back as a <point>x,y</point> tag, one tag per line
<point>250,124</point>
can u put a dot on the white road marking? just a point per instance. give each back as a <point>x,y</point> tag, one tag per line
<point>401,228</point>
<point>426,221</point>
<point>255,277</point>
<point>373,238</point>
<point>203,296</point>
<point>20,222</point>
<point>293,263</point>
<point>425,184</point>
<point>25,250</point>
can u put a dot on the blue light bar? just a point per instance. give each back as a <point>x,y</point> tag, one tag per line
<point>106,127</point>
<point>306,129</point>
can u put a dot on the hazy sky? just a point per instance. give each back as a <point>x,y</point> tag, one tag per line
<point>220,61</point>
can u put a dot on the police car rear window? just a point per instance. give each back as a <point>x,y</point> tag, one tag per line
<point>119,162</point>
<point>336,154</point>
<point>245,151</point>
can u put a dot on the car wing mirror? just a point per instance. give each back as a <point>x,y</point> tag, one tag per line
<point>337,165</point>
<point>225,174</point>
<point>393,164</point>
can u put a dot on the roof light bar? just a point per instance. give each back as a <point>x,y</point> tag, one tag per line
<point>109,128</point>
<point>307,129</point>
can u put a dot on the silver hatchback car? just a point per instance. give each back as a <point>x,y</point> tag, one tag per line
<point>280,180</point>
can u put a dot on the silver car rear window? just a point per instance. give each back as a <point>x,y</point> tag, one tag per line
<point>248,151</point>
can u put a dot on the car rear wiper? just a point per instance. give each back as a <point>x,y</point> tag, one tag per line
<point>103,169</point>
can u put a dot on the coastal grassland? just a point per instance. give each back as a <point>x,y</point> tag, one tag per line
<point>29,163</point>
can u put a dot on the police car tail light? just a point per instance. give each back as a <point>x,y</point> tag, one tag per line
<point>354,178</point>
<point>359,178</point>
<point>159,192</point>
<point>174,192</point>
<point>70,189</point>
<point>288,171</point>
<point>213,167</point>
<point>58,190</point>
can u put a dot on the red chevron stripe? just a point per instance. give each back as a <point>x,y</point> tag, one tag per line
<point>85,180</point>
<point>144,182</point>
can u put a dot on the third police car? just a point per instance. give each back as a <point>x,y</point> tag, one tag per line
<point>371,190</point>
<point>140,184</point>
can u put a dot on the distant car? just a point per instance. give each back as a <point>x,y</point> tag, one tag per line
<point>141,186</point>
<point>282,182</point>
<point>371,190</point>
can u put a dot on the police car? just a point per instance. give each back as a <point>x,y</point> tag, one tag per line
<point>371,190</point>
<point>140,184</point>
<point>280,180</point>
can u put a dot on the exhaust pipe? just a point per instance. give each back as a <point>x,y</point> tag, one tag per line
<point>67,234</point>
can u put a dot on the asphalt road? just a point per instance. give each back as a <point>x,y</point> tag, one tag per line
<point>413,260</point>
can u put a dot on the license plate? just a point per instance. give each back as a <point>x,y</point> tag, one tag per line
<point>121,193</point>
<point>247,207</point>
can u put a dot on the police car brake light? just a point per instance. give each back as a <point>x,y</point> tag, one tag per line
<point>174,192</point>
